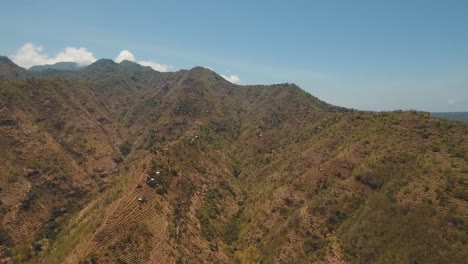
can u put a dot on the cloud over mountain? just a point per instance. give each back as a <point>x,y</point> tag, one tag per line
<point>30,54</point>
<point>124,55</point>
<point>156,66</point>
<point>127,55</point>
<point>232,78</point>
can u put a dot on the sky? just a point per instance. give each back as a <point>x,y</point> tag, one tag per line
<point>369,55</point>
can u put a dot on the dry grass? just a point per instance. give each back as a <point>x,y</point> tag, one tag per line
<point>250,173</point>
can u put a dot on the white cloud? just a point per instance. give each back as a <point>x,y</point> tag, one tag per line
<point>452,102</point>
<point>79,55</point>
<point>30,54</point>
<point>232,78</point>
<point>124,55</point>
<point>127,55</point>
<point>156,66</point>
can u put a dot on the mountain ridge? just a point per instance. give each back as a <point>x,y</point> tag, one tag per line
<point>61,66</point>
<point>183,167</point>
<point>10,70</point>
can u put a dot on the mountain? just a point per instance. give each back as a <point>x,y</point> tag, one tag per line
<point>457,116</point>
<point>60,66</point>
<point>117,163</point>
<point>9,70</point>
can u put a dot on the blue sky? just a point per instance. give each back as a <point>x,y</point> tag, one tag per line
<point>372,55</point>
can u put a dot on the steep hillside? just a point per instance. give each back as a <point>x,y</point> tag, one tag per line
<point>9,70</point>
<point>58,147</point>
<point>117,163</point>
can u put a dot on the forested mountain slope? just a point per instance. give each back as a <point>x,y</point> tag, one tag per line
<point>117,163</point>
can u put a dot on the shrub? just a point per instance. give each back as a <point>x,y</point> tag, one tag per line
<point>37,247</point>
<point>125,148</point>
<point>49,230</point>
<point>59,125</point>
<point>236,171</point>
<point>372,180</point>
<point>313,243</point>
<point>5,238</point>
<point>28,202</point>
<point>161,189</point>
<point>208,232</point>
<point>117,159</point>
<point>457,152</point>
<point>462,193</point>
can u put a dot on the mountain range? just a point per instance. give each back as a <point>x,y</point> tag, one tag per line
<point>61,66</point>
<point>457,116</point>
<point>118,163</point>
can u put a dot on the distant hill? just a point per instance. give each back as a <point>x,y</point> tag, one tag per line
<point>60,66</point>
<point>457,116</point>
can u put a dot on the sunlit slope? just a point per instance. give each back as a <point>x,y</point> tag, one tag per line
<point>116,163</point>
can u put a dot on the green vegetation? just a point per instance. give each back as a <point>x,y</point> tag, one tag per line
<point>385,232</point>
<point>160,177</point>
<point>125,148</point>
<point>208,213</point>
<point>5,238</point>
<point>29,202</point>
<point>314,243</point>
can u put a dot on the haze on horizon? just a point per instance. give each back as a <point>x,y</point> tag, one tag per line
<point>370,55</point>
